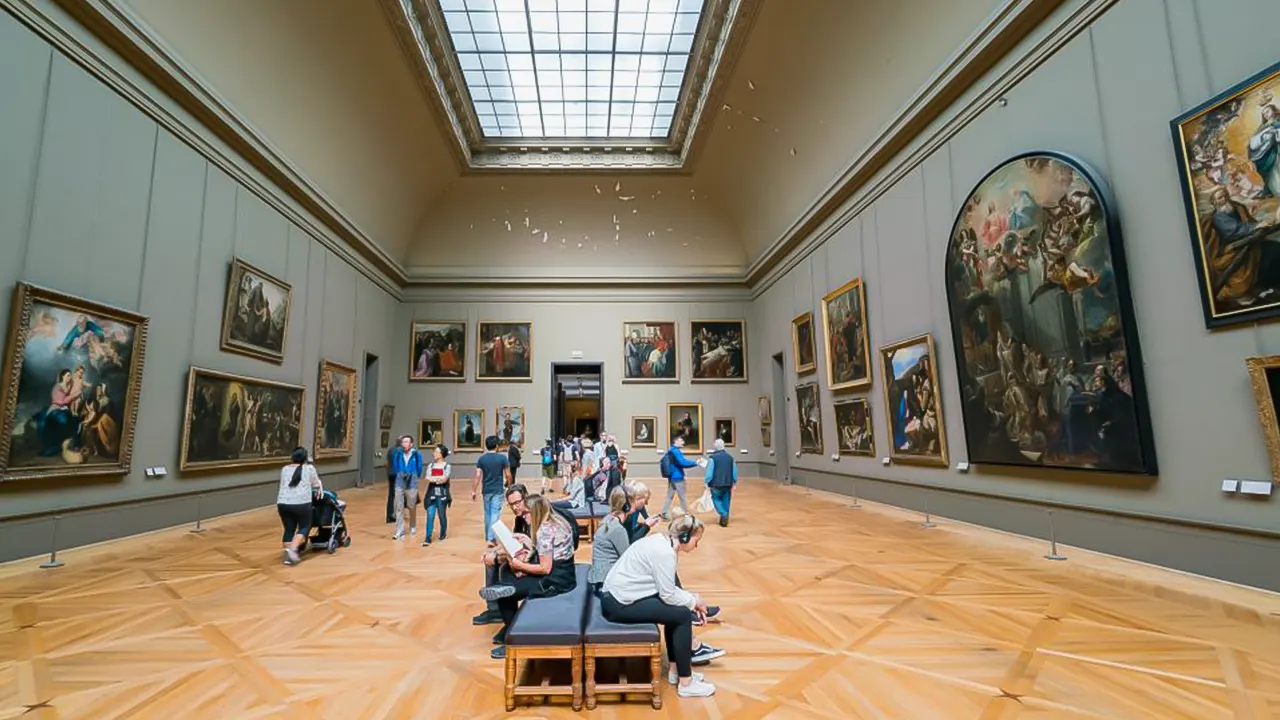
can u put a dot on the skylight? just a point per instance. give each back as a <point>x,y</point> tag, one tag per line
<point>573,68</point>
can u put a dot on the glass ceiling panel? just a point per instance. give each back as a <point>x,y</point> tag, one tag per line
<point>573,68</point>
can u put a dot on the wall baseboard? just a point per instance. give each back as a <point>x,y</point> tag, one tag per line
<point>1214,553</point>
<point>33,537</point>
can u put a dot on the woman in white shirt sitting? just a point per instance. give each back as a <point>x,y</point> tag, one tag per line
<point>641,588</point>
<point>299,484</point>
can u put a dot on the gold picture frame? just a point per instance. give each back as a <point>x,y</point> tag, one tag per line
<point>238,333</point>
<point>694,429</point>
<point>850,438</point>
<point>843,298</point>
<point>46,335</point>
<point>652,336</point>
<point>386,417</point>
<point>647,439</point>
<point>708,367</point>
<point>804,344</point>
<point>430,432</point>
<point>212,401</point>
<point>515,433</point>
<point>517,360</point>
<point>766,435</point>
<point>1264,376</point>
<point>333,442</point>
<point>764,408</point>
<point>720,424</point>
<point>914,350</point>
<point>468,429</point>
<point>441,336</point>
<point>809,417</point>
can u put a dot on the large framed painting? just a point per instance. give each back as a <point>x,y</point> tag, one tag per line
<point>649,352</point>
<point>335,411</point>
<point>437,351</point>
<point>430,433</point>
<point>1264,375</point>
<point>1042,324</point>
<point>233,421</point>
<point>255,319</point>
<point>809,416</point>
<point>72,381</point>
<point>846,340</point>
<point>510,426</point>
<point>803,347</point>
<point>727,430</point>
<point>1228,152</point>
<point>644,431</point>
<point>912,402</point>
<point>719,350</point>
<point>468,425</point>
<point>853,428</point>
<point>504,351</point>
<point>685,420</point>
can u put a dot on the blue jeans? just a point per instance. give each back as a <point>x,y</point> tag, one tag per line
<point>720,498</point>
<point>433,507</point>
<point>492,513</point>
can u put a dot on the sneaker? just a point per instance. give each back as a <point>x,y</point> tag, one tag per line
<point>674,679</point>
<point>291,557</point>
<point>713,611</point>
<point>286,558</point>
<point>442,536</point>
<point>426,543</point>
<point>398,536</point>
<point>497,592</point>
<point>499,653</point>
<point>724,521</point>
<point>706,654</point>
<point>413,531</point>
<point>488,617</point>
<point>696,688</point>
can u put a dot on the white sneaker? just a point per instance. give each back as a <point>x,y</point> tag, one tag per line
<point>398,536</point>
<point>674,679</point>
<point>696,688</point>
<point>413,531</point>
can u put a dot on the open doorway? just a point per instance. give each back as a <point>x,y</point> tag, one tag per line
<point>371,445</point>
<point>781,416</point>
<point>577,399</point>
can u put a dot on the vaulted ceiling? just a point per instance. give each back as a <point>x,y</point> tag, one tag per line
<point>335,87</point>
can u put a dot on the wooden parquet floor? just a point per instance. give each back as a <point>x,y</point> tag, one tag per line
<point>830,613</point>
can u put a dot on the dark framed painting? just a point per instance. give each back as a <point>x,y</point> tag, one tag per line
<point>468,425</point>
<point>644,431</point>
<point>726,430</point>
<point>1042,324</point>
<point>916,430</point>
<point>72,382</point>
<point>335,411</point>
<point>437,351</point>
<point>766,435</point>
<point>386,417</point>
<point>234,421</point>
<point>803,345</point>
<point>430,433</point>
<point>853,428</point>
<point>255,319</point>
<point>846,340</point>
<point>809,417</point>
<point>685,420</point>
<point>1264,376</point>
<point>649,352</point>
<point>1228,152</point>
<point>509,426</point>
<point>719,350</point>
<point>504,351</point>
<point>384,439</point>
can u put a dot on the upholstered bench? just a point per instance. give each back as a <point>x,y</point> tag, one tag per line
<point>548,629</point>
<point>604,639</point>
<point>588,516</point>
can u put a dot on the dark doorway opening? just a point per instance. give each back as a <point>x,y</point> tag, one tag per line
<point>781,416</point>
<point>577,399</point>
<point>371,447</point>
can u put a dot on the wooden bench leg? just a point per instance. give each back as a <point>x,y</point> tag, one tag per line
<point>576,660</point>
<point>655,664</point>
<point>511,679</point>
<point>590,677</point>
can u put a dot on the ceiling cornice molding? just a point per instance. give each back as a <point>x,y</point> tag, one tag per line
<point>458,276</point>
<point>742,18</point>
<point>167,80</point>
<point>576,292</point>
<point>902,146</point>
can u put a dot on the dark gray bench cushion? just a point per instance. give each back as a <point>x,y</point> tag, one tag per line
<point>591,510</point>
<point>602,632</point>
<point>554,620</point>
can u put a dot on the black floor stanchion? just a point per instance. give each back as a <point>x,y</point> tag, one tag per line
<point>928,519</point>
<point>856,505</point>
<point>53,561</point>
<point>199,515</point>
<point>1053,541</point>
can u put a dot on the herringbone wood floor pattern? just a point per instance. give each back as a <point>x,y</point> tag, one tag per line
<point>830,612</point>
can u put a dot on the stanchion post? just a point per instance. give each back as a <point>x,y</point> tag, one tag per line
<point>928,519</point>
<point>1053,541</point>
<point>53,561</point>
<point>199,512</point>
<point>856,505</point>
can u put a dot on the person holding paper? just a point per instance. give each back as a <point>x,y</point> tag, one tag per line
<point>546,572</point>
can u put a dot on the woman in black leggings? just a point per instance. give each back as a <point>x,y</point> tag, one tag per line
<point>299,484</point>
<point>641,588</point>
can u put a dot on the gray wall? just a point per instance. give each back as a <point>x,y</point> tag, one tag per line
<point>1106,97</point>
<point>99,201</point>
<point>559,328</point>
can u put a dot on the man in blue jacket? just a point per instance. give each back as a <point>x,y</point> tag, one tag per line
<point>406,463</point>
<point>675,481</point>
<point>722,476</point>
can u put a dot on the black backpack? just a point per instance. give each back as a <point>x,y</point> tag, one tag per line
<point>664,466</point>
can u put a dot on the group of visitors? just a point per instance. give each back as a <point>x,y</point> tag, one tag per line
<point>405,472</point>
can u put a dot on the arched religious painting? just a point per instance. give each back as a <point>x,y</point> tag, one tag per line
<point>1046,347</point>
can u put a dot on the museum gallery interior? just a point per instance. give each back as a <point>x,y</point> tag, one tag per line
<point>734,359</point>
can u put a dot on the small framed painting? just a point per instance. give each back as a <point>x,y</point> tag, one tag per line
<point>644,431</point>
<point>385,439</point>
<point>685,420</point>
<point>437,351</point>
<point>726,430</point>
<point>764,407</point>
<point>802,344</point>
<point>510,426</point>
<point>468,426</point>
<point>853,428</point>
<point>430,433</point>
<point>766,435</point>
<point>255,320</point>
<point>386,417</point>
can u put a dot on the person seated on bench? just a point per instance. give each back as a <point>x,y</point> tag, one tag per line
<point>495,565</point>
<point>546,571</point>
<point>610,543</point>
<point>637,522</point>
<point>641,588</point>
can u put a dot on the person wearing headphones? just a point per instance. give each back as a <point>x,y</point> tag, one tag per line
<point>641,588</point>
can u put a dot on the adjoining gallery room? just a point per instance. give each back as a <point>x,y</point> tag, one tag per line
<point>619,359</point>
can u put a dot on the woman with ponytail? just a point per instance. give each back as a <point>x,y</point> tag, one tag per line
<point>299,484</point>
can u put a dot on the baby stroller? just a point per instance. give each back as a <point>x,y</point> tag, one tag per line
<point>328,523</point>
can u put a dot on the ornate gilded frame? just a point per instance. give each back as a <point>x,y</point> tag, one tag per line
<point>413,361</point>
<point>817,398</point>
<point>702,428</point>
<point>497,424</point>
<point>866,404</point>
<point>237,270</point>
<point>24,296</point>
<point>479,339</point>
<point>746,359</point>
<point>733,430</point>
<point>457,428</point>
<point>653,442</point>
<point>1265,396</point>
<point>329,366</point>
<point>675,337</point>
<point>886,355</point>
<point>423,440</point>
<point>186,465</point>
<point>854,285</point>
<point>801,319</point>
